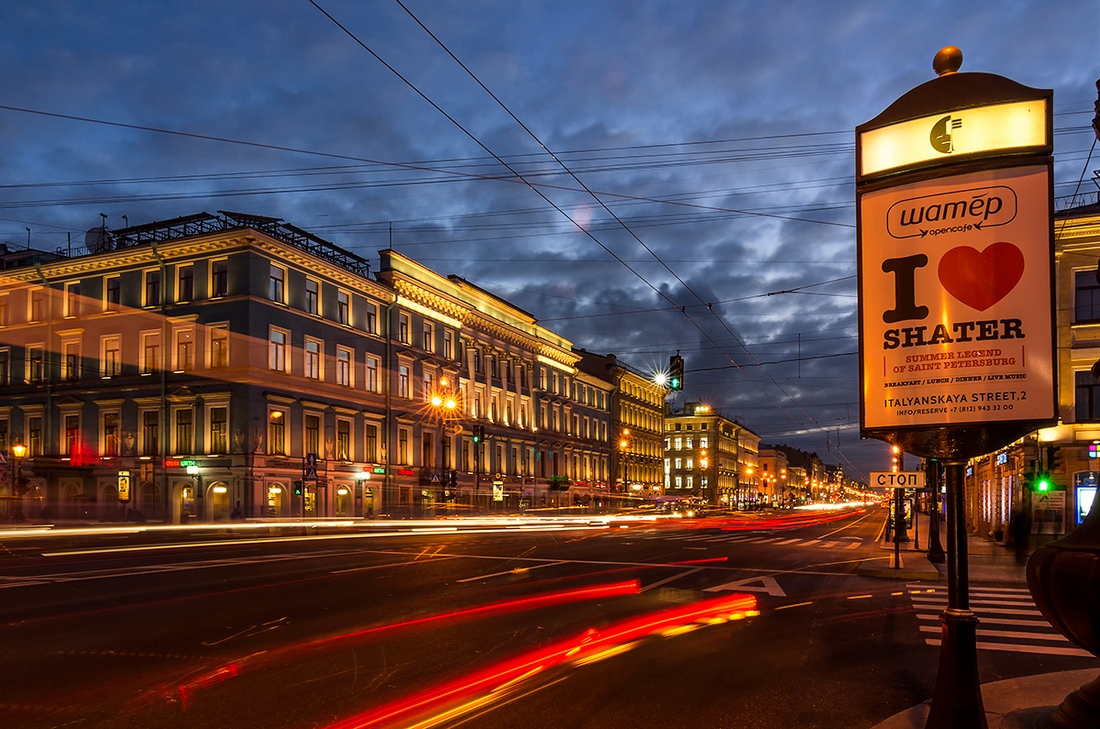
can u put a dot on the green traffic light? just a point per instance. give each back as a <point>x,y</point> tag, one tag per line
<point>1042,485</point>
<point>674,383</point>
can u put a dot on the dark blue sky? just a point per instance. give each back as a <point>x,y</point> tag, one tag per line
<point>719,134</point>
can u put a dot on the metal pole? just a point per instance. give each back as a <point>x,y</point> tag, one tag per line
<point>935,549</point>
<point>899,522</point>
<point>957,699</point>
<point>916,518</point>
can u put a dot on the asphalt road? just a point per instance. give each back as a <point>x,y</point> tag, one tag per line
<point>750,622</point>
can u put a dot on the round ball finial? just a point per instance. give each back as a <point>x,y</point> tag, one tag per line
<point>948,60</point>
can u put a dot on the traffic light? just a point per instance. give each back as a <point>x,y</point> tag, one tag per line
<point>676,372</point>
<point>1054,458</point>
<point>453,478</point>
<point>1042,482</point>
<point>479,433</point>
<point>297,488</point>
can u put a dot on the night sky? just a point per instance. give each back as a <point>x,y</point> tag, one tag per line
<point>643,177</point>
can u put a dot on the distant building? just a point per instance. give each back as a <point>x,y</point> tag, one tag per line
<point>637,423</point>
<point>184,369</point>
<point>710,456</point>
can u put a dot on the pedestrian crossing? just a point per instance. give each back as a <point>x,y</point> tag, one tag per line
<point>1008,620</point>
<point>746,538</point>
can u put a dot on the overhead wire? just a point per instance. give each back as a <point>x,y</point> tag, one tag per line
<point>625,227</point>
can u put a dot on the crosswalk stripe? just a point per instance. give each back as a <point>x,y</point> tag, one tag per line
<point>853,545</point>
<point>942,600</point>
<point>812,542</point>
<point>787,541</point>
<point>829,544</point>
<point>996,620</point>
<point>1005,634</point>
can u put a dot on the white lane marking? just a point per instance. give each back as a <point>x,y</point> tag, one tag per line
<point>1021,634</point>
<point>787,541</point>
<point>996,620</point>
<point>513,571</point>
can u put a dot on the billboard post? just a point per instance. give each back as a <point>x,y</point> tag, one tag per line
<point>955,249</point>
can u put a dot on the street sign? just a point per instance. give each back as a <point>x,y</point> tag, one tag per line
<point>955,256</point>
<point>309,467</point>
<point>124,486</point>
<point>955,286</point>
<point>897,480</point>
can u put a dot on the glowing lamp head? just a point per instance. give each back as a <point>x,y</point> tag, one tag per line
<point>19,450</point>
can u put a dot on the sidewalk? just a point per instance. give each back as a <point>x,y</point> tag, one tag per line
<point>1016,703</point>
<point>987,561</point>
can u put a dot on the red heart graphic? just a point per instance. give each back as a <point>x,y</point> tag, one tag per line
<point>980,280</point>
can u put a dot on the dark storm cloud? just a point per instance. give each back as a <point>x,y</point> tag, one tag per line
<point>715,131</point>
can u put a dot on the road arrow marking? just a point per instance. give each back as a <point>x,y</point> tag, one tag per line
<point>763,584</point>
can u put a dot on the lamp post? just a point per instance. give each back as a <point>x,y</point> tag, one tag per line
<point>18,450</point>
<point>196,483</point>
<point>624,447</point>
<point>360,490</point>
<point>444,405</point>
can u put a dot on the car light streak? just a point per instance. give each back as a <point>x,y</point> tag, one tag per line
<point>471,690</point>
<point>281,655</point>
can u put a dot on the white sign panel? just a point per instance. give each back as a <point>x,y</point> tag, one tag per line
<point>899,480</point>
<point>955,285</point>
<point>1013,126</point>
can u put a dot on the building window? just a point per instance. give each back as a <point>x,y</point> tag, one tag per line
<point>277,278</point>
<point>403,447</point>
<point>428,336</point>
<point>5,366</point>
<point>477,360</point>
<point>110,434</point>
<point>185,283</point>
<point>343,366</point>
<point>219,277</point>
<point>38,305</point>
<point>150,352</point>
<point>111,358</point>
<point>403,329</point>
<point>1086,297</point>
<point>150,433</point>
<point>112,298</point>
<point>448,344</point>
<point>219,430</point>
<point>3,433</point>
<point>185,350</point>
<point>70,442</point>
<point>277,350</point>
<point>184,432</point>
<point>276,433</point>
<point>343,307</point>
<point>219,347</point>
<point>403,382</point>
<point>1087,400</point>
<point>312,360</point>
<point>312,296</point>
<point>36,363</point>
<point>70,364</point>
<point>152,288</point>
<point>313,434</point>
<point>343,440</point>
<point>372,319</point>
<point>371,455</point>
<point>34,435</point>
<point>72,299</point>
<point>4,310</point>
<point>372,373</point>
<point>429,386</point>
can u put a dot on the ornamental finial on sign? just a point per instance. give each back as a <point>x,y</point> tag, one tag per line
<point>949,59</point>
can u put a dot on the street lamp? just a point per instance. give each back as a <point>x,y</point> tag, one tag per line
<point>18,450</point>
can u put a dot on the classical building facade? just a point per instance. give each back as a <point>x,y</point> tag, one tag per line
<point>711,457</point>
<point>220,364</point>
<point>997,485</point>
<point>637,423</point>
